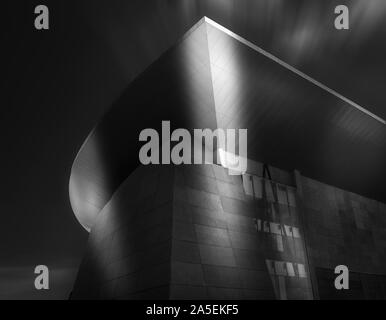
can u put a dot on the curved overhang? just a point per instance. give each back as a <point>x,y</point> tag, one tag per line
<point>213,78</point>
<point>177,87</point>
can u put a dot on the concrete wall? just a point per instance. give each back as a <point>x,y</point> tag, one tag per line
<point>129,247</point>
<point>222,249</point>
<point>344,228</point>
<point>195,232</point>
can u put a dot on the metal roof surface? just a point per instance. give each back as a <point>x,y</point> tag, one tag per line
<point>214,79</point>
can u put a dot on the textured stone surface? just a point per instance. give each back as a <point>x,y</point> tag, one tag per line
<point>194,232</point>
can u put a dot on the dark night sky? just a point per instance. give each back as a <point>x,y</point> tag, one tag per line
<point>59,82</point>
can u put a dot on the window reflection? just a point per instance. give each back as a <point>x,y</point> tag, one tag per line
<point>277,225</point>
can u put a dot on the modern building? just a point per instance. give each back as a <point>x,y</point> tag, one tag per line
<point>313,196</point>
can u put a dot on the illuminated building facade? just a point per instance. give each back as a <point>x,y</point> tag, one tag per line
<point>196,232</point>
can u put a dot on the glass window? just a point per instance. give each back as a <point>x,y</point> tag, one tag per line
<point>290,269</point>
<point>257,187</point>
<point>275,228</point>
<point>282,195</point>
<point>295,232</point>
<point>247,183</point>
<point>291,197</point>
<point>301,270</point>
<point>281,268</point>
<point>288,230</point>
